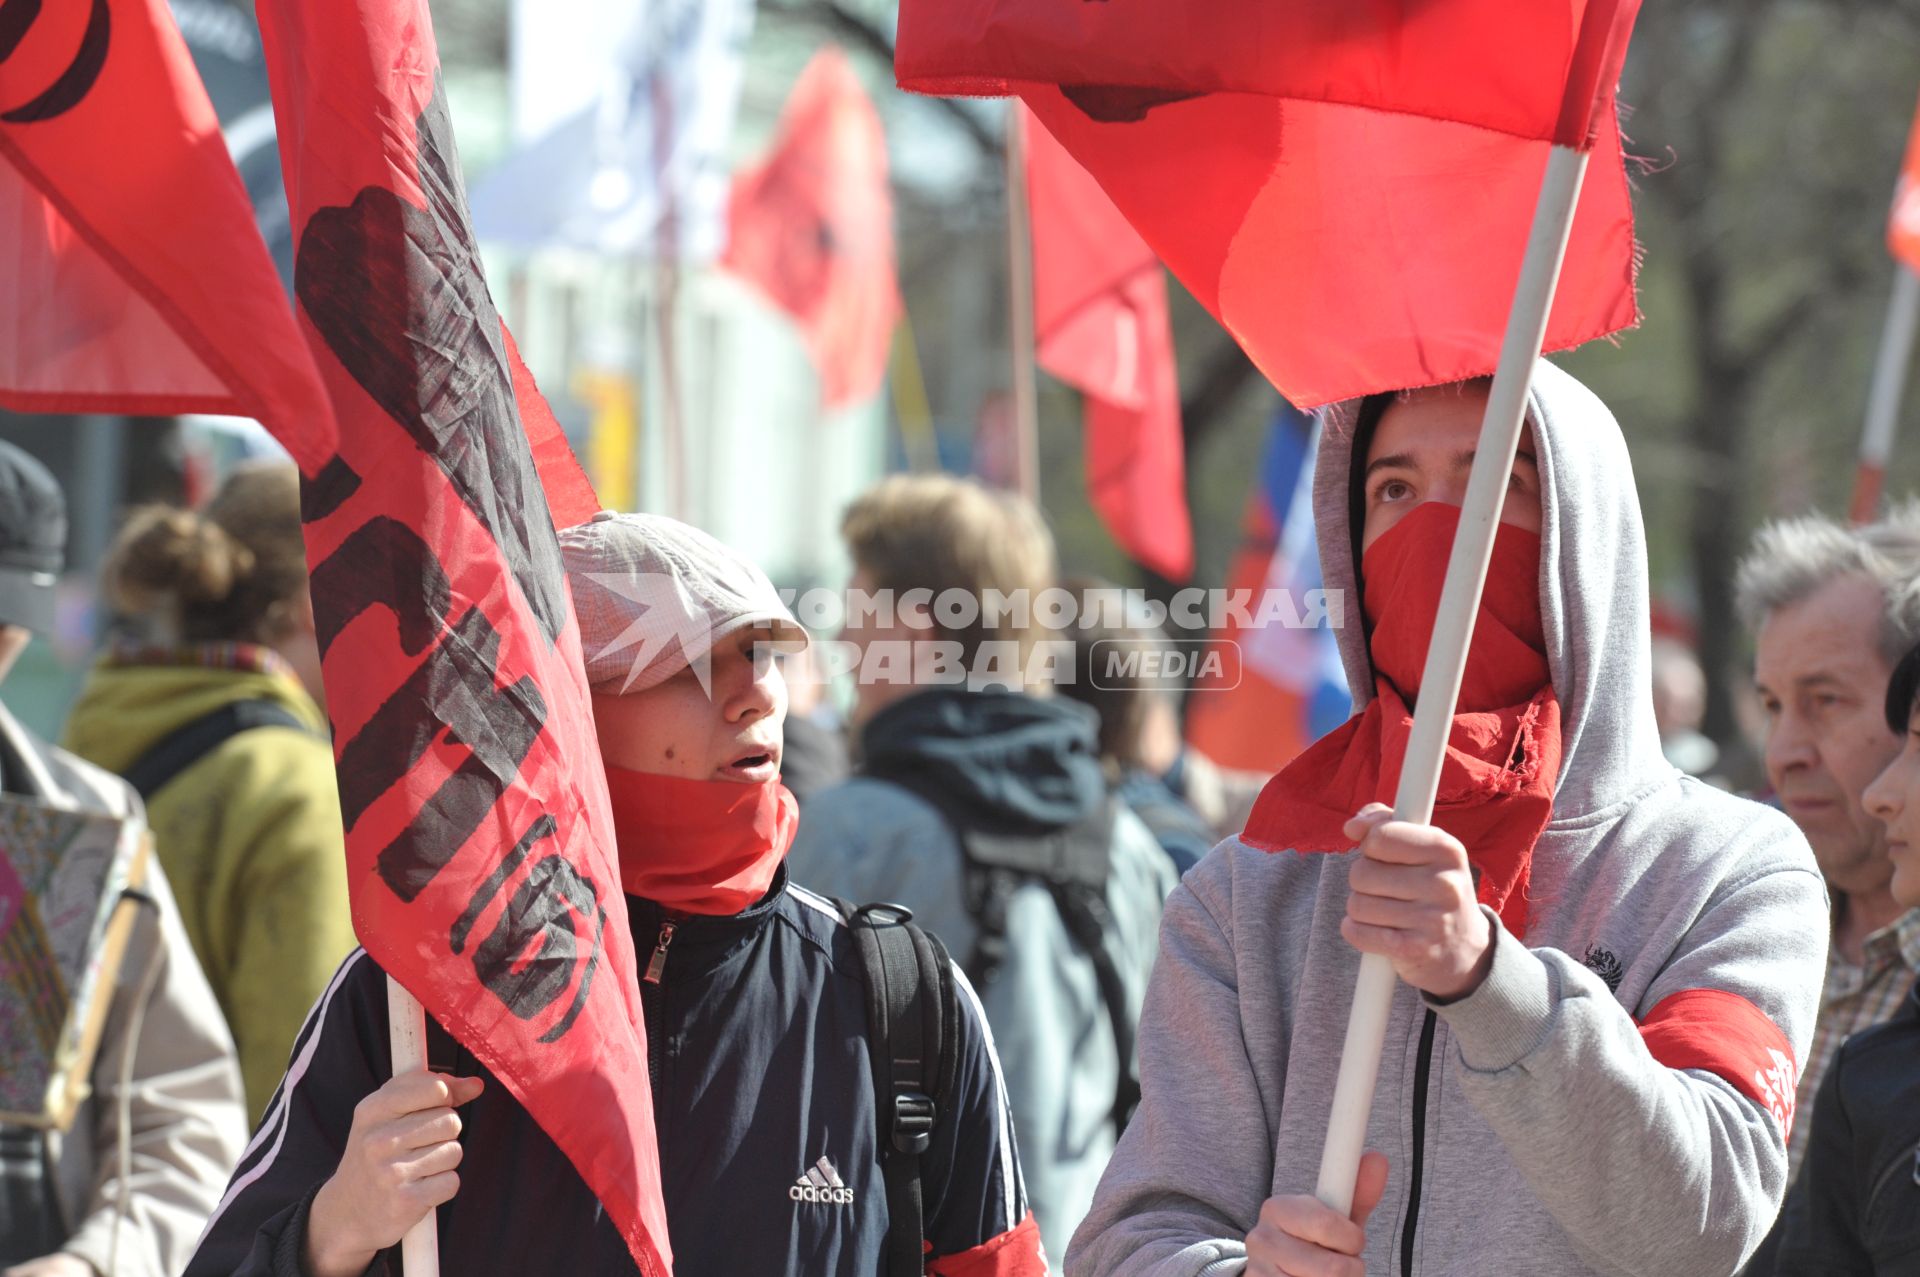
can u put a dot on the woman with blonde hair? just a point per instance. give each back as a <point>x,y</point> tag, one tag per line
<point>214,716</point>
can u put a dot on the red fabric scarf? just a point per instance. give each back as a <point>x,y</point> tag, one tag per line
<point>699,846</point>
<point>1503,757</point>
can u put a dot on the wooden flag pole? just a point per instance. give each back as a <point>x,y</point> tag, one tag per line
<point>1026,424</point>
<point>407,1038</point>
<point>1883,401</point>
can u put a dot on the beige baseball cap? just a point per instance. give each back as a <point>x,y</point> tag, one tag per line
<point>654,595</point>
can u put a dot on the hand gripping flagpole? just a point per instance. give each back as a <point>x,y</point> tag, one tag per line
<point>1596,62</point>
<point>407,1038</point>
<point>1883,401</point>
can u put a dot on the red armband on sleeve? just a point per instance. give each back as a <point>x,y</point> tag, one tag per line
<point>1014,1253</point>
<point>1724,1034</point>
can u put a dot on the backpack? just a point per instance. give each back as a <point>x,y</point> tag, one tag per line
<point>913,1026</point>
<point>1073,864</point>
<point>187,745</point>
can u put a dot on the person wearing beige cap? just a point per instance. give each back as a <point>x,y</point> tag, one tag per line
<point>763,1057</point>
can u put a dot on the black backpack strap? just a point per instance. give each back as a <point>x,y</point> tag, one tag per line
<point>1074,865</point>
<point>187,745</point>
<point>1089,921</point>
<point>913,1030</point>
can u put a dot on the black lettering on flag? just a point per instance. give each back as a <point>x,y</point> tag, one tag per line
<point>543,912</point>
<point>453,686</point>
<point>382,563</point>
<point>72,85</point>
<point>327,491</point>
<point>397,294</point>
<point>542,828</point>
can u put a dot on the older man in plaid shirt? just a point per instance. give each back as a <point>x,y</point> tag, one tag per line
<point>1833,609</point>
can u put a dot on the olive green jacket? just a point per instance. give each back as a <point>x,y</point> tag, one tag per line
<point>249,834</point>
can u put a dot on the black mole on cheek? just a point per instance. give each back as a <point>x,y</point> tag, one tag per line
<point>669,751</point>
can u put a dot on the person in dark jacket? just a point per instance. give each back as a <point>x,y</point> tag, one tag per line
<point>755,999</point>
<point>1855,1208</point>
<point>969,764</point>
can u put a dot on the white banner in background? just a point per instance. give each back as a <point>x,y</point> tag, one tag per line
<point>641,168</point>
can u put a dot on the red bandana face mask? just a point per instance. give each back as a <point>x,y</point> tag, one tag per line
<point>699,846</point>
<point>1503,754</point>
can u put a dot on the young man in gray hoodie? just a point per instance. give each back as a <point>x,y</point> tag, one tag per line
<point>1610,1094</point>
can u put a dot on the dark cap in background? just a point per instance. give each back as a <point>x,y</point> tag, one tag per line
<point>33,540</point>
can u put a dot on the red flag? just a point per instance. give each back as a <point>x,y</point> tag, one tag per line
<point>1903,225</point>
<point>812,227</point>
<point>1347,187</point>
<point>479,836</point>
<point>1101,324</point>
<point>137,281</point>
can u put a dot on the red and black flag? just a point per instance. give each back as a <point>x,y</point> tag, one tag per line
<point>812,227</point>
<point>479,837</point>
<point>136,278</point>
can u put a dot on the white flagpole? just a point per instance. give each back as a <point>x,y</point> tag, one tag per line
<point>1883,401</point>
<point>407,1037</point>
<point>1447,655</point>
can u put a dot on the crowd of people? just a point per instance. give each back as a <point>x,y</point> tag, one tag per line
<point>1644,1026</point>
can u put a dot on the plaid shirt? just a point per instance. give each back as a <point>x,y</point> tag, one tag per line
<point>1854,998</point>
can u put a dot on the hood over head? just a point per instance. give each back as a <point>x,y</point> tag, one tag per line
<point>1012,762</point>
<point>1594,599</point>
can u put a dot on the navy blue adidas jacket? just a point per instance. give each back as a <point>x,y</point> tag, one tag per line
<point>763,1095</point>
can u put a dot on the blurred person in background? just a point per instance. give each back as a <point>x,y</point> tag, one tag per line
<point>127,1187</point>
<point>816,749</point>
<point>1120,673</point>
<point>1832,610</point>
<point>1222,796</point>
<point>1680,706</point>
<point>1855,1209</point>
<point>215,718</point>
<point>980,804</point>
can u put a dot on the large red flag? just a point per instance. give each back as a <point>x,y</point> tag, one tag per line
<point>1903,225</point>
<point>136,278</point>
<point>812,227</point>
<point>1101,324</point>
<point>1347,187</point>
<point>479,836</point>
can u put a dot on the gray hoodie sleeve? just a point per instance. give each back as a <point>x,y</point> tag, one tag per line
<point>1188,1178</point>
<point>1679,1170</point>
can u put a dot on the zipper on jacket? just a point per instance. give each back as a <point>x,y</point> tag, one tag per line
<point>651,1007</point>
<point>1422,1068</point>
<point>657,964</point>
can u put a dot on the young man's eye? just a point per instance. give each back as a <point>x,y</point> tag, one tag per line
<point>1393,490</point>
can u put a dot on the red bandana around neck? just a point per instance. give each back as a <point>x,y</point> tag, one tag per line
<point>1503,755</point>
<point>699,846</point>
